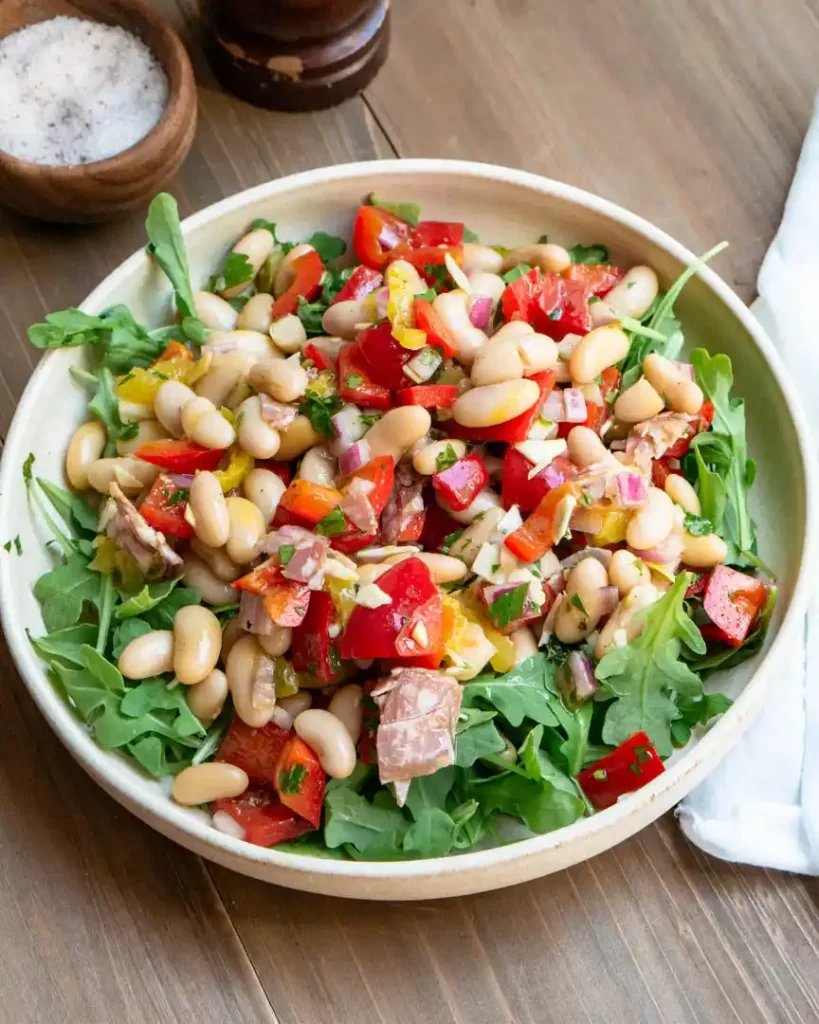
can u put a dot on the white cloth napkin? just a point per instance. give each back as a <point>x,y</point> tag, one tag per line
<point>761,805</point>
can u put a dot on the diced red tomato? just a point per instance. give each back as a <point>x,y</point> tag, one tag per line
<point>312,650</point>
<point>438,334</point>
<point>553,305</point>
<point>375,233</point>
<point>513,430</point>
<point>255,751</point>
<point>437,232</point>
<point>385,356</point>
<point>426,256</point>
<point>307,272</point>
<point>349,543</point>
<point>704,419</point>
<point>164,508</point>
<point>179,456</point>
<point>596,278</point>
<point>310,502</point>
<point>427,616</point>
<point>610,380</point>
<point>372,632</point>
<point>437,526</point>
<point>264,818</point>
<point>532,540</point>
<point>430,396</point>
<point>460,483</point>
<point>300,780</point>
<point>698,586</point>
<point>361,282</point>
<point>285,601</point>
<point>356,383</point>
<point>660,472</point>
<point>626,769</point>
<point>518,489</point>
<point>732,602</point>
<point>320,359</point>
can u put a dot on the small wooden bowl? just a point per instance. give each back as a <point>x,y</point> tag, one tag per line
<point>96,191</point>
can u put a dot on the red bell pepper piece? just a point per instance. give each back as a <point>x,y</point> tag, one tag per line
<point>438,334</point>
<point>705,417</point>
<point>661,471</point>
<point>349,543</point>
<point>732,602</point>
<point>356,382</point>
<point>412,528</point>
<point>518,489</point>
<point>385,356</point>
<point>372,632</point>
<point>255,751</point>
<point>437,526</point>
<point>179,456</point>
<point>164,508</point>
<point>307,273</point>
<point>320,359</point>
<point>698,586</point>
<point>310,502</point>
<point>376,233</point>
<point>300,780</point>
<point>361,282</point>
<point>264,818</point>
<point>430,396</point>
<point>437,232</point>
<point>533,539</point>
<point>427,256</point>
<point>312,650</point>
<point>174,350</point>
<point>380,472</point>
<point>513,430</point>
<point>596,278</point>
<point>285,601</point>
<point>460,483</point>
<point>626,769</point>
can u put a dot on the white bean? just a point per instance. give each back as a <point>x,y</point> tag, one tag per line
<point>282,379</point>
<point>631,297</point>
<point>207,504</point>
<point>442,568</point>
<point>199,575</point>
<point>346,706</point>
<point>204,424</point>
<point>481,259</point>
<point>496,362</point>
<point>288,334</point>
<point>651,524</point>
<point>637,403</point>
<point>148,655</point>
<point>197,638</point>
<point>296,439</point>
<point>425,460</point>
<point>204,783</point>
<point>490,285</point>
<point>246,529</point>
<point>495,403</point>
<point>257,314</point>
<point>228,370</point>
<point>255,435</point>
<point>624,624</point>
<point>513,331</point>
<point>681,393</point>
<point>276,643</point>
<point>132,475</point>
<point>84,449</point>
<point>597,350</point>
<point>543,254</point>
<point>169,399</point>
<point>232,632</point>
<point>397,431</point>
<point>265,490</point>
<point>344,319</point>
<point>206,699</point>
<point>627,571</point>
<point>329,738</point>
<point>582,609</point>
<point>240,668</point>
<point>453,309</point>
<point>585,447</point>
<point>217,560</point>
<point>257,245</point>
<point>537,352</point>
<point>214,312</point>
<point>467,546</point>
<point>319,466</point>
<point>682,493</point>
<point>295,704</point>
<point>703,552</point>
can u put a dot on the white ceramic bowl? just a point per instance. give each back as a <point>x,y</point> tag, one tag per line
<point>507,207</point>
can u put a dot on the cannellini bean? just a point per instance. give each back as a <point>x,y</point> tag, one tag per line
<point>232,632</point>
<point>285,273</point>
<point>257,245</point>
<point>346,706</point>
<point>199,575</point>
<point>248,343</point>
<point>228,370</point>
<point>214,312</point>
<point>651,524</point>
<point>296,439</point>
<point>582,608</point>
<point>397,431</point>
<point>513,331</point>
<point>297,703</point>
<point>453,309</point>
<point>282,379</point>
<point>703,552</point>
<point>197,641</point>
<point>585,447</point>
<point>524,644</point>
<point>207,504</point>
<point>682,493</point>
<point>425,459</point>
<point>681,393</point>
<point>257,314</point>
<point>240,669</point>
<point>217,560</point>
<point>170,397</point>
<point>132,475</point>
<point>135,411</point>
<point>255,435</point>
<point>496,362</point>
<point>537,353</point>
<point>624,625</point>
<point>637,403</point>
<point>319,466</point>
<point>329,738</point>
<point>627,571</point>
<point>204,783</point>
<point>276,643</point>
<point>148,655</point>
<point>543,254</point>
<point>265,490</point>
<point>491,285</point>
<point>246,529</point>
<point>206,699</point>
<point>485,502</point>
<point>630,297</point>
<point>467,546</point>
<point>204,424</point>
<point>442,568</point>
<point>344,319</point>
<point>84,449</point>
<point>148,430</point>
<point>481,258</point>
<point>288,334</point>
<point>495,403</point>
<point>597,350</point>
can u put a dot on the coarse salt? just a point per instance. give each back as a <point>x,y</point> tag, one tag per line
<point>77,91</point>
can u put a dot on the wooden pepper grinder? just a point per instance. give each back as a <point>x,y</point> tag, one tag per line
<point>296,54</point>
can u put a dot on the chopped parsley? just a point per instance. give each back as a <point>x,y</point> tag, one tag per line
<point>448,457</point>
<point>521,270</point>
<point>589,254</point>
<point>509,606</point>
<point>368,418</point>
<point>437,276</point>
<point>333,524</point>
<point>290,779</point>
<point>320,410</point>
<point>286,552</point>
<point>446,544</point>
<point>575,600</point>
<point>353,380</point>
<point>177,497</point>
<point>698,526</point>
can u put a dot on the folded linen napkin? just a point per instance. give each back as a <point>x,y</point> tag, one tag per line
<point>761,804</point>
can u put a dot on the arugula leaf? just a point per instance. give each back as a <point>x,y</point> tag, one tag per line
<point>508,606</point>
<point>448,457</point>
<point>236,270</point>
<point>65,643</point>
<point>127,631</point>
<point>352,821</point>
<point>543,240</point>
<point>665,306</point>
<point>696,711</point>
<point>329,247</point>
<point>320,409</point>
<point>333,281</point>
<point>311,314</point>
<point>74,510</point>
<point>711,490</point>
<point>167,246</point>
<point>697,526</point>
<point>149,597</point>
<point>477,737</point>
<point>521,693</point>
<point>646,673</point>
<point>589,254</point>
<point>521,270</point>
<point>162,615</point>
<point>408,211</point>
<point>332,525</point>
<point>470,236</point>
<point>64,591</point>
<point>268,225</point>
<point>105,406</point>
<point>432,834</point>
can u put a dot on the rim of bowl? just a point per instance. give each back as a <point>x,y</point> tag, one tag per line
<point>710,748</point>
<point>181,91</point>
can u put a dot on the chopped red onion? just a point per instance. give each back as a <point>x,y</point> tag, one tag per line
<point>581,674</point>
<point>480,309</point>
<point>664,554</point>
<point>295,535</point>
<point>252,615</point>
<point>357,508</point>
<point>354,457</point>
<point>277,414</point>
<point>263,684</point>
<point>382,297</point>
<point>424,365</point>
<point>553,408</point>
<point>607,600</point>
<point>224,823</point>
<point>575,405</point>
<point>593,487</point>
<point>553,475</point>
<point>492,593</point>
<point>181,479</point>
<point>218,347</point>
<point>603,555</point>
<point>617,446</point>
<point>282,718</point>
<point>686,369</point>
<point>348,427</point>
<point>631,490</point>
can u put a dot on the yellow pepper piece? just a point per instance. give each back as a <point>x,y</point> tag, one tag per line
<point>141,385</point>
<point>343,594</point>
<point>324,384</point>
<point>504,658</point>
<point>198,369</point>
<point>409,337</point>
<point>614,526</point>
<point>286,678</point>
<point>109,557</point>
<point>401,308</point>
<point>238,467</point>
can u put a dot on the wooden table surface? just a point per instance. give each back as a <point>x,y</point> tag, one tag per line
<point>692,115</point>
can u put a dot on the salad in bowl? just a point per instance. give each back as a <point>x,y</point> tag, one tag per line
<point>393,553</point>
